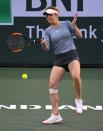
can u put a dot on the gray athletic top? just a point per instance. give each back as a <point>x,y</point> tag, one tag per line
<point>61,37</point>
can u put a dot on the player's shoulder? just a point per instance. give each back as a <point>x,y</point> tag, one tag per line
<point>65,22</point>
<point>47,30</point>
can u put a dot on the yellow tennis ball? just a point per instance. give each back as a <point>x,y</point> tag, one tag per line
<point>24,76</point>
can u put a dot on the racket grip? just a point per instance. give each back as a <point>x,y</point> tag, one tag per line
<point>39,40</point>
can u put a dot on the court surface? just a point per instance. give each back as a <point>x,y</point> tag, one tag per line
<point>21,97</point>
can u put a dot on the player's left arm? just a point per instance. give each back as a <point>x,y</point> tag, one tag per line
<point>76,29</point>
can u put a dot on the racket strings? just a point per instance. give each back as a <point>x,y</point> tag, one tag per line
<point>15,42</point>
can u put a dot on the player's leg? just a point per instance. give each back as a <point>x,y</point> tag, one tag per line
<point>74,68</point>
<point>56,75</point>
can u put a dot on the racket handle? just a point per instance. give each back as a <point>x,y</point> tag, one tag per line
<point>39,40</point>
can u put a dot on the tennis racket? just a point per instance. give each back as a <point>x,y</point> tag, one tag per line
<point>16,42</point>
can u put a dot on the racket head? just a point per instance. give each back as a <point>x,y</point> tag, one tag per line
<point>16,42</point>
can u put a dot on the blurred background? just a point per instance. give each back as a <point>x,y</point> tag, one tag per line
<point>25,16</point>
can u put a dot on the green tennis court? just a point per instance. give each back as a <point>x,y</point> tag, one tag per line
<point>23,103</point>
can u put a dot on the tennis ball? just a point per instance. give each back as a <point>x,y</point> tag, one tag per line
<point>24,76</point>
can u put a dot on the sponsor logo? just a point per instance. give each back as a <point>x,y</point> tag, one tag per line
<point>35,8</point>
<point>49,107</point>
<point>89,33</point>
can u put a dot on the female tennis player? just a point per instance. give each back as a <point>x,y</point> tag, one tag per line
<point>59,35</point>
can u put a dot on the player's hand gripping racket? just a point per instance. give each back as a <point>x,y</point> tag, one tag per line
<point>16,42</point>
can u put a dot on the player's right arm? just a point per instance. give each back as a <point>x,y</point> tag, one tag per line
<point>45,43</point>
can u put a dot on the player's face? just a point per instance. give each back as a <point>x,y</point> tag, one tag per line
<point>51,18</point>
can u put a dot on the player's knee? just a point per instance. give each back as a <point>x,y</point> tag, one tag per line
<point>76,76</point>
<point>53,87</point>
<point>52,84</point>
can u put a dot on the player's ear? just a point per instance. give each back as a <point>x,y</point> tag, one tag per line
<point>57,15</point>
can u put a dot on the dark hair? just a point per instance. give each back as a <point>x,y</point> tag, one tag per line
<point>53,7</point>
